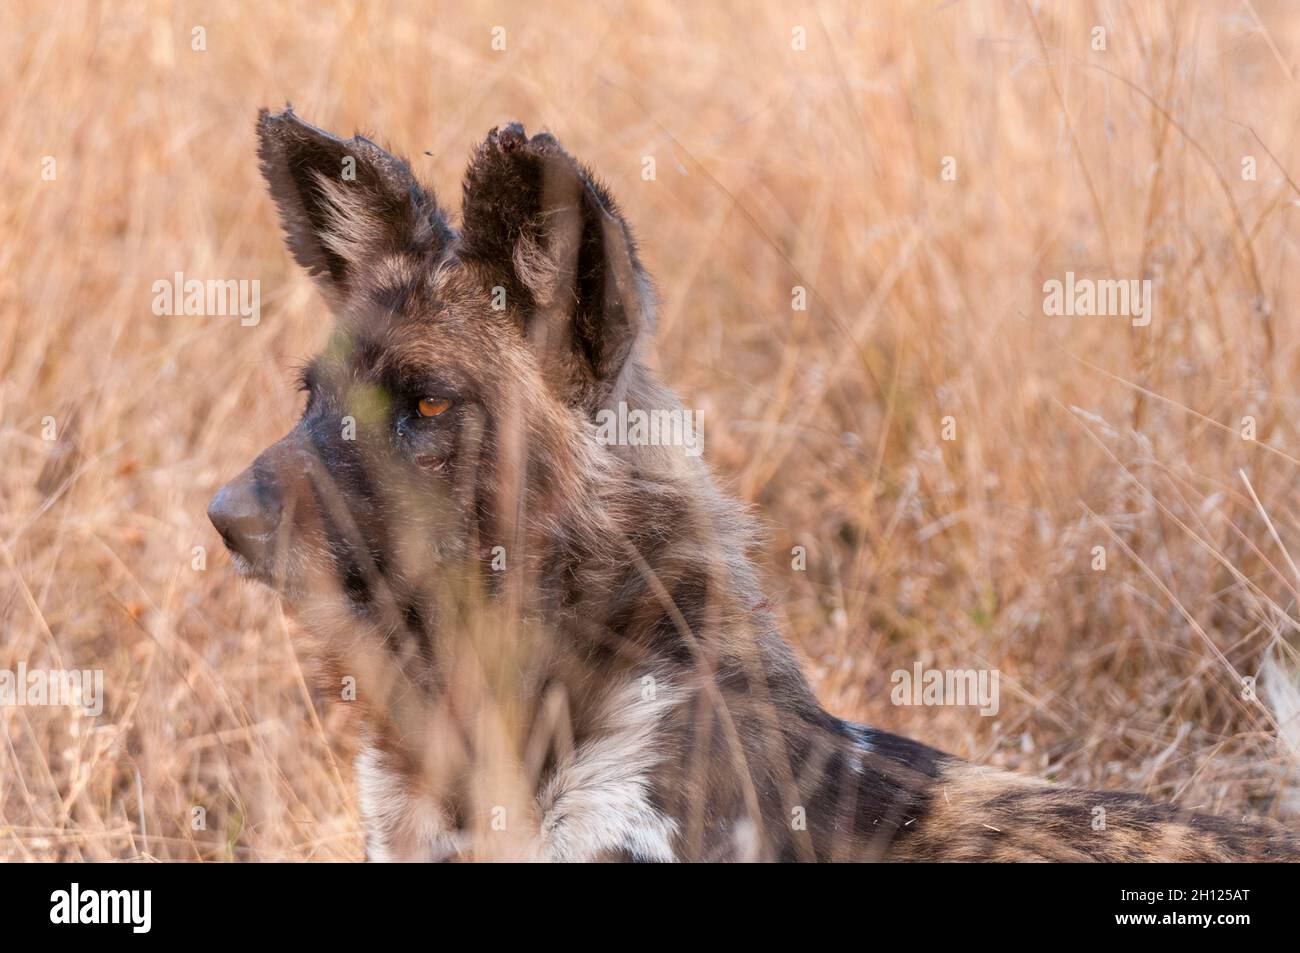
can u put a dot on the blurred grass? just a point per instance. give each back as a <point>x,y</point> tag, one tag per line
<point>775,168</point>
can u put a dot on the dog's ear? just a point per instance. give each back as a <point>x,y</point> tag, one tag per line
<point>539,226</point>
<point>344,203</point>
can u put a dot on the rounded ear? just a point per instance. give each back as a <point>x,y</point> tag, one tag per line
<point>539,225</point>
<point>344,202</point>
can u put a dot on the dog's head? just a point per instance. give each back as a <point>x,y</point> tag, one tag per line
<point>465,367</point>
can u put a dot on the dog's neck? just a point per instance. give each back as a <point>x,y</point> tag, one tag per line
<point>649,704</point>
<point>644,665</point>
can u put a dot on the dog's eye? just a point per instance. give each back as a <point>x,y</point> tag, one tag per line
<point>432,406</point>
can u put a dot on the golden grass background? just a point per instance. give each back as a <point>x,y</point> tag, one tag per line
<point>775,168</point>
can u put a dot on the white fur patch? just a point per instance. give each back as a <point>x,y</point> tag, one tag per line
<point>598,799</point>
<point>597,802</point>
<point>401,826</point>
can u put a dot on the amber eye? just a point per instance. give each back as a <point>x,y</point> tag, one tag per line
<point>432,406</point>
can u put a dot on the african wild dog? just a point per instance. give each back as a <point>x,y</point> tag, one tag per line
<point>550,631</point>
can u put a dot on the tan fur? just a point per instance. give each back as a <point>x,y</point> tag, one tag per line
<point>981,814</point>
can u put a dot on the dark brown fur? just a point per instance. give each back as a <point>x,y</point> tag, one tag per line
<point>625,566</point>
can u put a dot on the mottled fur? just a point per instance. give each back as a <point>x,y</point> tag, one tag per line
<point>549,630</point>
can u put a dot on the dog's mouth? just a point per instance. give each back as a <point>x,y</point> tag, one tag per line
<point>259,559</point>
<point>253,571</point>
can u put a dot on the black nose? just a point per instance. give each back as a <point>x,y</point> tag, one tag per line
<point>246,512</point>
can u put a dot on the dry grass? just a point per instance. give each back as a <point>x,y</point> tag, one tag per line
<point>775,168</point>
